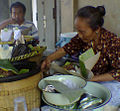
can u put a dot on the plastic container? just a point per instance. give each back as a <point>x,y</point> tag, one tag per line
<point>65,38</point>
<point>20,104</point>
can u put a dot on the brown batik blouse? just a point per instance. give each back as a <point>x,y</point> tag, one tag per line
<point>109,46</point>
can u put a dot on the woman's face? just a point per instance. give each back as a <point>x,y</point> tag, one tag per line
<point>84,30</point>
<point>18,14</point>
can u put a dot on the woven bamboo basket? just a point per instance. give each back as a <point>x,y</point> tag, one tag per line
<point>22,85</point>
<point>32,56</point>
<point>27,88</point>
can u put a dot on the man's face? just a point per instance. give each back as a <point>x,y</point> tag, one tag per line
<point>18,14</point>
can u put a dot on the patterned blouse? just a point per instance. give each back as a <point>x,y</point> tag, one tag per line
<point>109,46</point>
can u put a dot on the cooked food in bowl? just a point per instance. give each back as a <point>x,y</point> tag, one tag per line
<point>95,97</point>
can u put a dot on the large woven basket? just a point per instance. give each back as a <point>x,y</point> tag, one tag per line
<point>27,88</point>
<point>25,85</point>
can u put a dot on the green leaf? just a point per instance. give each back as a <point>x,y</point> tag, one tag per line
<point>71,94</point>
<point>2,75</point>
<point>86,55</point>
<point>5,29</point>
<point>67,63</point>
<point>82,58</point>
<point>7,66</point>
<point>31,47</point>
<point>22,71</point>
<point>83,69</point>
<point>16,28</point>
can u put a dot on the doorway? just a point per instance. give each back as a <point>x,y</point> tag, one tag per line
<point>48,22</point>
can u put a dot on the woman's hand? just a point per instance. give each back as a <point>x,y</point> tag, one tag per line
<point>45,65</point>
<point>103,77</point>
<point>56,55</point>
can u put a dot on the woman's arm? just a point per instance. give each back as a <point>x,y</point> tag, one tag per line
<point>56,55</point>
<point>103,77</point>
<point>70,48</point>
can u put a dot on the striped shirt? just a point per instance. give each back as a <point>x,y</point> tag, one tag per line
<point>27,28</point>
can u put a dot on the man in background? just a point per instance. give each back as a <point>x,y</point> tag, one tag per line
<point>17,19</point>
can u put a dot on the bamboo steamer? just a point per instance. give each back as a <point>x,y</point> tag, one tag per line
<point>27,88</point>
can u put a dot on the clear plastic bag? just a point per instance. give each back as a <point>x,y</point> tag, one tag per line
<point>6,35</point>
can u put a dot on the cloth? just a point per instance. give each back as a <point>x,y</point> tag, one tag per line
<point>113,86</point>
<point>109,46</point>
<point>27,28</point>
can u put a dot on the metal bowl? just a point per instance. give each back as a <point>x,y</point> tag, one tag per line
<point>58,98</point>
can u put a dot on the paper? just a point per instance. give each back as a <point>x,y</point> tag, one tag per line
<point>89,58</point>
<point>89,64</point>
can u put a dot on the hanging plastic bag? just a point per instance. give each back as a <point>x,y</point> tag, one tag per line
<point>6,34</point>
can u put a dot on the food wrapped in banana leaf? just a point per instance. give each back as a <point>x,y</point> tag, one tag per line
<point>20,49</point>
<point>4,73</point>
<point>24,64</point>
<point>33,42</point>
<point>7,69</point>
<point>89,101</point>
<point>72,67</point>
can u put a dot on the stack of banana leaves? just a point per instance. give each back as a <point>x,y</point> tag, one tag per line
<point>21,65</point>
<point>8,68</point>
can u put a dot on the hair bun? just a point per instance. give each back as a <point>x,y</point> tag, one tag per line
<point>101,10</point>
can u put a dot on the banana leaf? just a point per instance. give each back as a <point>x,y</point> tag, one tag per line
<point>71,94</point>
<point>82,58</point>
<point>7,66</point>
<point>83,69</point>
<point>86,55</point>
<point>22,71</point>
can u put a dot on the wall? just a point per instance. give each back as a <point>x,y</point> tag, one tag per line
<point>112,18</point>
<point>4,10</point>
<point>67,16</point>
<point>70,7</point>
<point>46,23</point>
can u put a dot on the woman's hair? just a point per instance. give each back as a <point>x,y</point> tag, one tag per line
<point>94,14</point>
<point>18,4</point>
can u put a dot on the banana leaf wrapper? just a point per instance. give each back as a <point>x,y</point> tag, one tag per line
<point>71,94</point>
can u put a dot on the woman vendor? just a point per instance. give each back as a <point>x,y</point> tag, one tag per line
<point>88,22</point>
